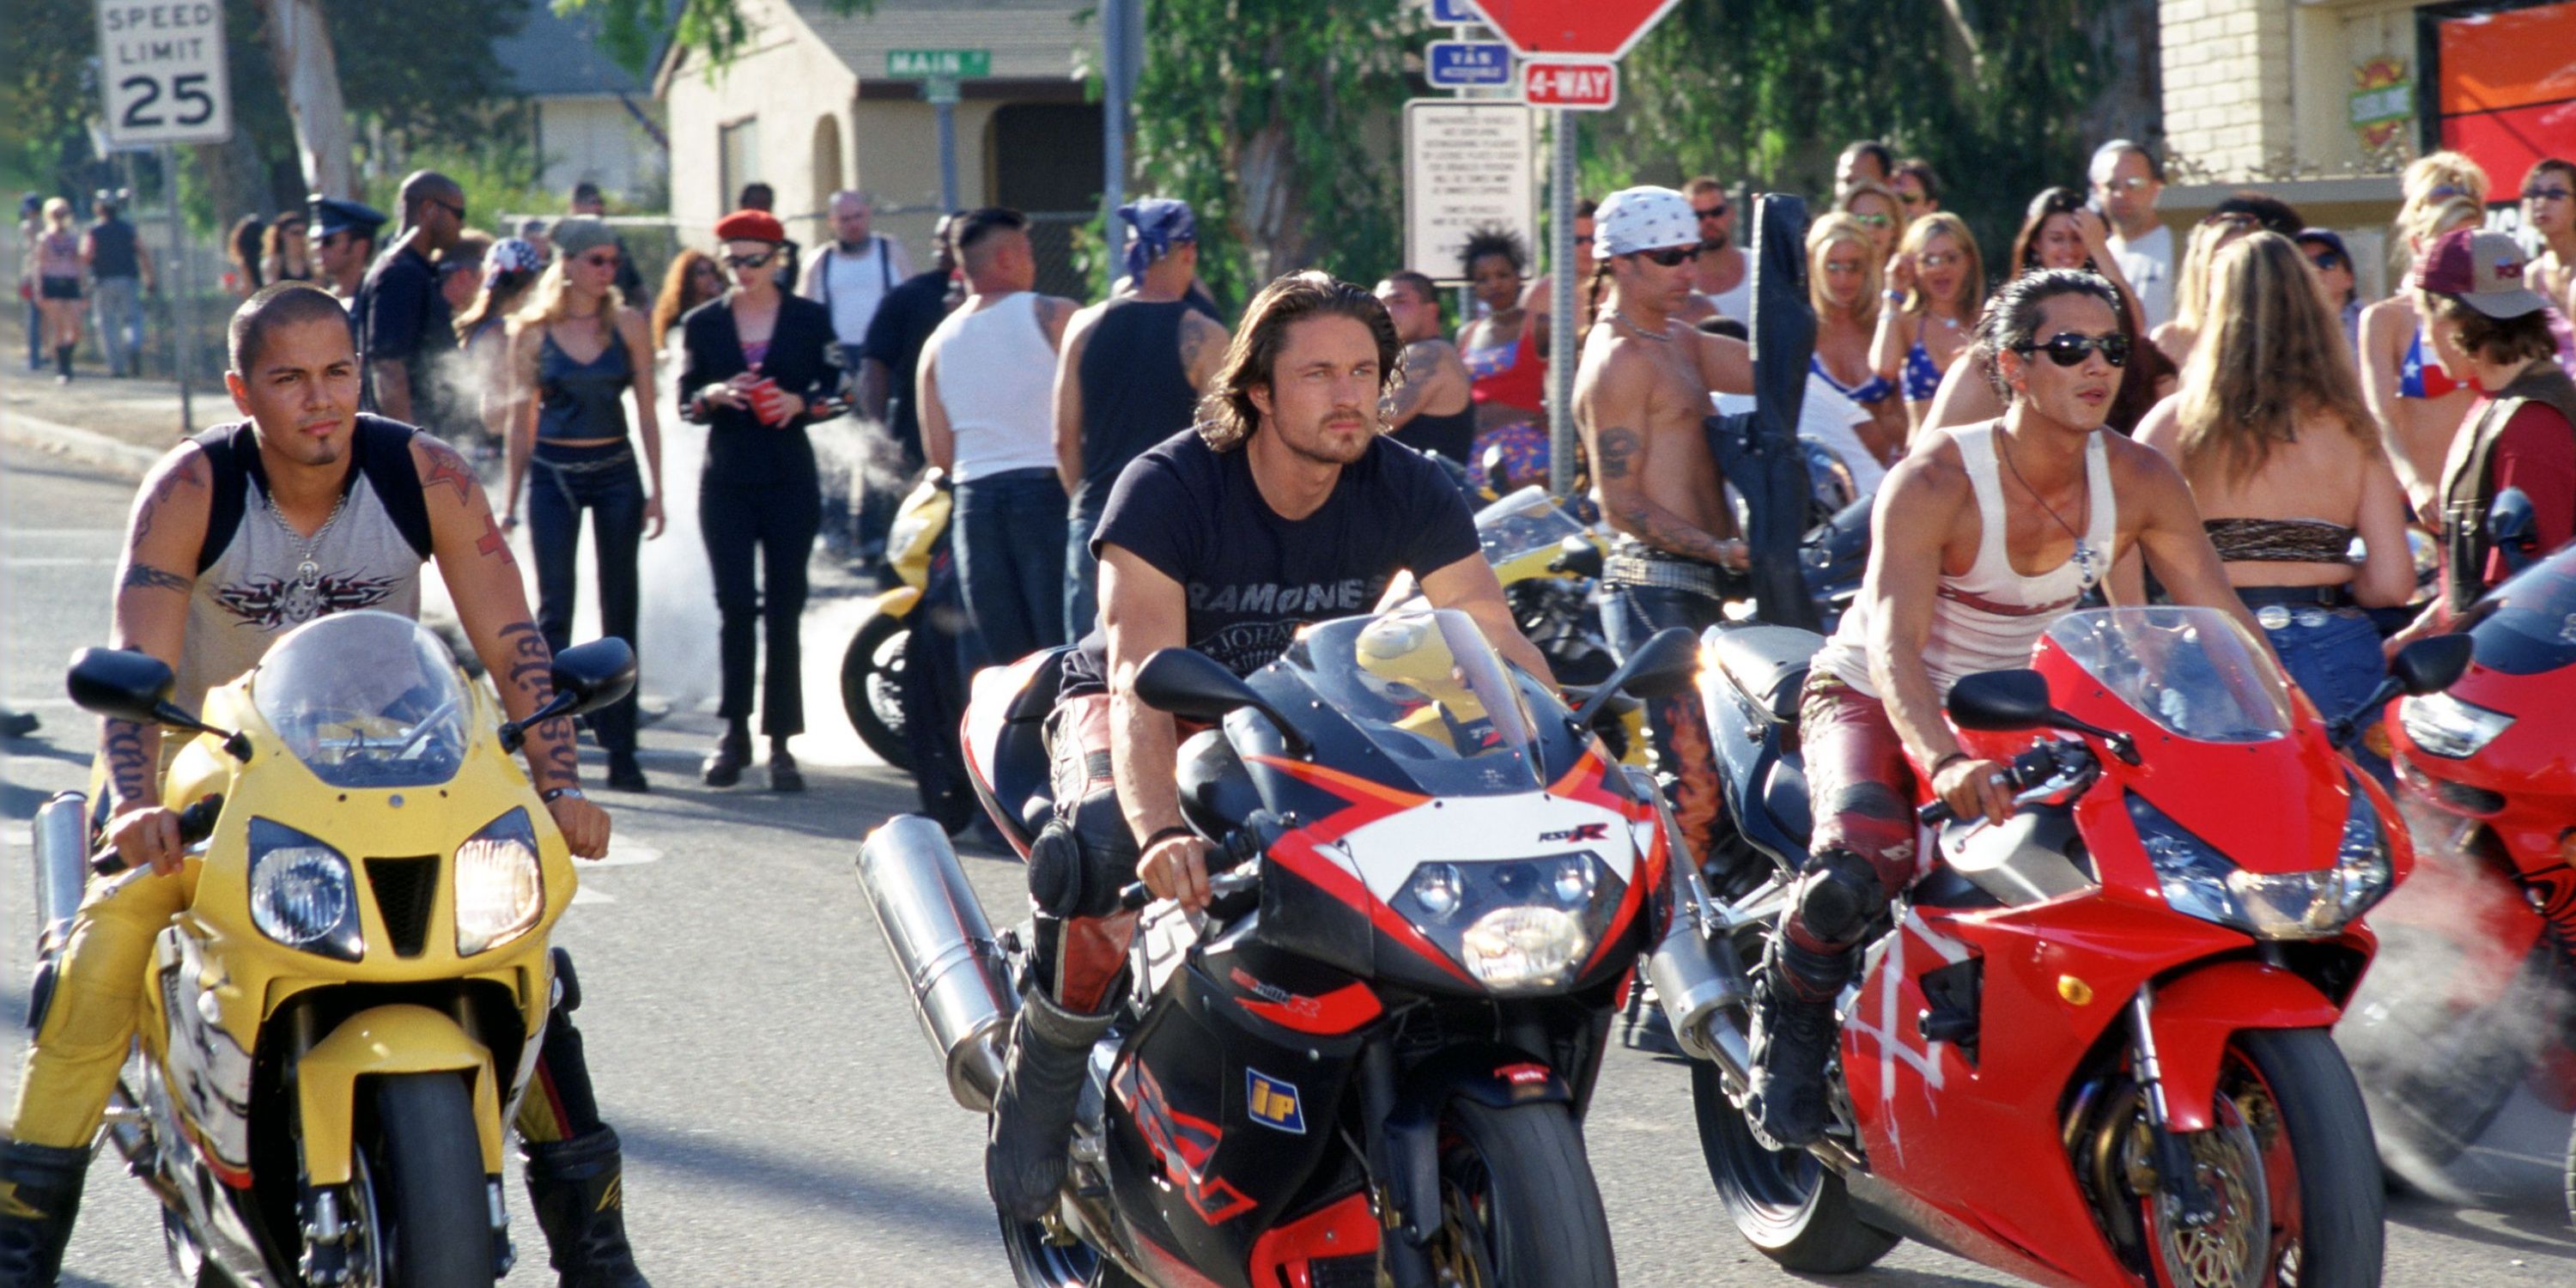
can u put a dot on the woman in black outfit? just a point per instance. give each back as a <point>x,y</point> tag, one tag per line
<point>753,360</point>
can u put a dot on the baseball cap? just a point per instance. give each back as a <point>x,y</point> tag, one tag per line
<point>1643,218</point>
<point>2325,237</point>
<point>2481,269</point>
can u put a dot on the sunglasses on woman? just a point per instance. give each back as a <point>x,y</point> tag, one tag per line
<point>1874,221</point>
<point>1669,257</point>
<point>2067,349</point>
<point>760,260</point>
<point>2545,194</point>
<point>601,259</point>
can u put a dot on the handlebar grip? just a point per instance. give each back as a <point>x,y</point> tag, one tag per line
<point>196,823</point>
<point>1935,814</point>
<point>2027,770</point>
<point>1239,846</point>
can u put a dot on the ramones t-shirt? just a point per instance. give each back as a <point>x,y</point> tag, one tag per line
<point>1253,577</point>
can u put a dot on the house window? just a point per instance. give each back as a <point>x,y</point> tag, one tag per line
<point>737,159</point>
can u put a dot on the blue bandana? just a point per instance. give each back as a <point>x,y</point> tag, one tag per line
<point>1154,224</point>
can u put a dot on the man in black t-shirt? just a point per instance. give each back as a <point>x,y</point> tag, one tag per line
<point>1287,505</point>
<point>403,323</point>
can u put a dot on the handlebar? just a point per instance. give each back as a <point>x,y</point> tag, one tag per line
<point>2028,770</point>
<point>1240,846</point>
<point>196,823</point>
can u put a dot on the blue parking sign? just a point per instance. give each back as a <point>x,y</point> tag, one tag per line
<point>1455,13</point>
<point>1468,64</point>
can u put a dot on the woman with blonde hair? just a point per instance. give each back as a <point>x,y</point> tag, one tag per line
<point>2180,334</point>
<point>568,421</point>
<point>2418,404</point>
<point>1880,211</point>
<point>1935,291</point>
<point>510,269</point>
<point>2440,176</point>
<point>57,267</point>
<point>1842,287</point>
<point>2284,461</point>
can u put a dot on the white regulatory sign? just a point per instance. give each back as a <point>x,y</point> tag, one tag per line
<point>161,65</point>
<point>1467,165</point>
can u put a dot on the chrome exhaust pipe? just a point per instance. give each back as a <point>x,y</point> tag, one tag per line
<point>1697,980</point>
<point>944,948</point>
<point>62,865</point>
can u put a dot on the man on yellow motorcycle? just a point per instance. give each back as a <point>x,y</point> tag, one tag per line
<point>1280,509</point>
<point>239,535</point>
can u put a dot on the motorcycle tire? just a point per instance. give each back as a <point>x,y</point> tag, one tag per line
<point>1037,1261</point>
<point>431,1209</point>
<point>2323,1137</point>
<point>872,686</point>
<point>1518,1205</point>
<point>2571,1174</point>
<point>1786,1203</point>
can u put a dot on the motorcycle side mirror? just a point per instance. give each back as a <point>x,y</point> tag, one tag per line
<point>1577,555</point>
<point>586,677</point>
<point>2011,701</point>
<point>2431,665</point>
<point>125,685</point>
<point>1498,471</point>
<point>2511,522</point>
<point>1186,682</point>
<point>1666,664</point>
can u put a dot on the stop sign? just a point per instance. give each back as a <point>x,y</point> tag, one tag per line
<point>1602,28</point>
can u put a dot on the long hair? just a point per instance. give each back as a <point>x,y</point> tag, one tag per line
<point>2446,169</point>
<point>285,231</point>
<point>2269,353</point>
<point>2191,288</point>
<point>679,293</point>
<point>1842,230</point>
<point>242,246</point>
<point>1972,283</point>
<point>550,300</point>
<point>2050,203</point>
<point>499,297</point>
<point>58,214</point>
<point>1227,416</point>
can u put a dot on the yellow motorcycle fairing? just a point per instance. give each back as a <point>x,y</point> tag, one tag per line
<point>898,602</point>
<point>386,1040</point>
<point>225,979</point>
<point>918,523</point>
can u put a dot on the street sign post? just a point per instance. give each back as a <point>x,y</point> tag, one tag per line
<point>161,68</point>
<point>939,70</point>
<point>1467,64</point>
<point>1582,85</point>
<point>1467,165</point>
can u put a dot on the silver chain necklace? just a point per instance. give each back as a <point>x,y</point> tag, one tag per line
<point>1659,337</point>
<point>304,595</point>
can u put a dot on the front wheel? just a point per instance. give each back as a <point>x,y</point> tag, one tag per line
<point>2291,1166</point>
<point>1786,1203</point>
<point>1518,1206</point>
<point>872,686</point>
<point>431,1222</point>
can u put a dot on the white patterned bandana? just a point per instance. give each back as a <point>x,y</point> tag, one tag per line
<point>1643,218</point>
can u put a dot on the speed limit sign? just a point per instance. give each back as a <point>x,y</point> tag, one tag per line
<point>161,65</point>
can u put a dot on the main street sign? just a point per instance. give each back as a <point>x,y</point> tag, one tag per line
<point>934,64</point>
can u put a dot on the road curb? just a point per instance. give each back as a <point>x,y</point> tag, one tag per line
<point>87,446</point>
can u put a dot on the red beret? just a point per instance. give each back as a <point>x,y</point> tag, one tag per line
<point>750,225</point>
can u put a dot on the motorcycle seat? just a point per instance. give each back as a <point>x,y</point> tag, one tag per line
<point>1020,789</point>
<point>1784,798</point>
<point>1767,664</point>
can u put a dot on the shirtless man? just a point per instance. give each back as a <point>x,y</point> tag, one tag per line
<point>1721,277</point>
<point>1428,409</point>
<point>1641,397</point>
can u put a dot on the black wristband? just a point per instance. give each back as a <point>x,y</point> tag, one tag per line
<point>1938,765</point>
<point>1164,834</point>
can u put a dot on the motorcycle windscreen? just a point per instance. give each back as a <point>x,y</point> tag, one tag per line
<point>2528,624</point>
<point>1526,520</point>
<point>1425,688</point>
<point>2193,671</point>
<point>365,699</point>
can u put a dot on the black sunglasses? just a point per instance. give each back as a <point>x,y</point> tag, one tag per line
<point>2067,349</point>
<point>2545,194</point>
<point>1717,211</point>
<point>760,260</point>
<point>2327,262</point>
<point>1670,256</point>
<point>450,207</point>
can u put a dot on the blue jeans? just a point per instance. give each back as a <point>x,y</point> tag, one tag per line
<point>1010,561</point>
<point>35,337</point>
<point>1082,568</point>
<point>2337,664</point>
<point>119,302</point>
<point>562,482</point>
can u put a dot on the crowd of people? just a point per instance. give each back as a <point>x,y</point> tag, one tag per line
<point>71,275</point>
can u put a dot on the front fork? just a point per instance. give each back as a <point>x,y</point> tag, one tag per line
<point>2177,1180</point>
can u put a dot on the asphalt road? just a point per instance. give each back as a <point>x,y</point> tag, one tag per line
<point>784,1120</point>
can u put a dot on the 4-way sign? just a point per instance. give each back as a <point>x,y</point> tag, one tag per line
<point>1579,84</point>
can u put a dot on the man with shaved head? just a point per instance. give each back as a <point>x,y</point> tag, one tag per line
<point>403,321</point>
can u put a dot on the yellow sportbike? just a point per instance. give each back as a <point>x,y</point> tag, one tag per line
<point>872,665</point>
<point>348,1004</point>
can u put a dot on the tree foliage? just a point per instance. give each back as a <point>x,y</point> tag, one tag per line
<point>1994,95</point>
<point>1279,122</point>
<point>633,31</point>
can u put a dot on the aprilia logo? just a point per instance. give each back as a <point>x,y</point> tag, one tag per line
<point>1586,832</point>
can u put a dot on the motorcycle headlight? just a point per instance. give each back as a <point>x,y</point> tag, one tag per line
<point>1517,925</point>
<point>302,893</point>
<point>2442,725</point>
<point>2199,881</point>
<point>500,889</point>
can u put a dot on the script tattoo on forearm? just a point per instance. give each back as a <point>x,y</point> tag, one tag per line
<point>129,766</point>
<point>551,754</point>
<point>143,576</point>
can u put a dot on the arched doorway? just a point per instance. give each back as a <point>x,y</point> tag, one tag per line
<point>827,163</point>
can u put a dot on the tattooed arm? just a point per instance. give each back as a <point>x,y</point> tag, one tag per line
<point>154,578</point>
<point>1611,402</point>
<point>483,579</point>
<point>1420,374</point>
<point>1203,344</point>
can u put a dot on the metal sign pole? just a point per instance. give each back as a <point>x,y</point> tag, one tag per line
<point>942,93</point>
<point>1563,323</point>
<point>174,280</point>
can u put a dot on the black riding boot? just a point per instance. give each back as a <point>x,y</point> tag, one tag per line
<point>1793,1035</point>
<point>581,1206</point>
<point>1033,1116</point>
<point>40,1190</point>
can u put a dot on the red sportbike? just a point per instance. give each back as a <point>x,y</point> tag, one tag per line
<point>2091,1045</point>
<point>2492,762</point>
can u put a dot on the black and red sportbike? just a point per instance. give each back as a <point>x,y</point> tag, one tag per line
<point>1372,1052</point>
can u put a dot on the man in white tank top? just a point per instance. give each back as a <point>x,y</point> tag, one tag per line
<point>1977,544</point>
<point>987,381</point>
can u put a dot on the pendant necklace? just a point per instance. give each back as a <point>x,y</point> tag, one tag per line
<point>2084,557</point>
<point>304,594</point>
